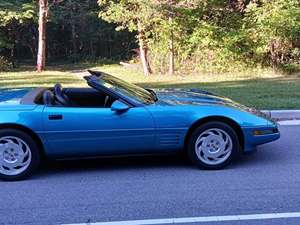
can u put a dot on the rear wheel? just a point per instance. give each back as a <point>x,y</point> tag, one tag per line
<point>213,145</point>
<point>19,155</point>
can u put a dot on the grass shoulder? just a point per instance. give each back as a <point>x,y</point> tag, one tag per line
<point>263,89</point>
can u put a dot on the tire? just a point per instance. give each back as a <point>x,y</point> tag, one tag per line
<point>19,155</point>
<point>213,145</point>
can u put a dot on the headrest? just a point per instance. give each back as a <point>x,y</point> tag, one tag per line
<point>58,88</point>
<point>48,98</point>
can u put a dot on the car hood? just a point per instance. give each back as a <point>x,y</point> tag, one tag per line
<point>200,97</point>
<point>192,97</point>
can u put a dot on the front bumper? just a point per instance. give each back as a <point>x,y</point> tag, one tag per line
<point>254,136</point>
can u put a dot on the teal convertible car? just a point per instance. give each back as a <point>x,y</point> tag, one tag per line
<point>113,117</point>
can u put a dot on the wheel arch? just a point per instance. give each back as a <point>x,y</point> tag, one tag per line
<point>223,119</point>
<point>27,130</point>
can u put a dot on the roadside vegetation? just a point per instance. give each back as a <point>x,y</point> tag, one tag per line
<point>183,36</point>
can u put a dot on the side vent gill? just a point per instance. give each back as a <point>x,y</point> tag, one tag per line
<point>169,138</point>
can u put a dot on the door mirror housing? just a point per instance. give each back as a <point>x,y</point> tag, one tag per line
<point>119,106</point>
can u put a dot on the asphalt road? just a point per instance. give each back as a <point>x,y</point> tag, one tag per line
<point>159,187</point>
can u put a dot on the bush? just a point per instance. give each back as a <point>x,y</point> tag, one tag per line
<point>224,37</point>
<point>5,65</point>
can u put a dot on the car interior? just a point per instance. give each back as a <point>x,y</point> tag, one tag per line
<point>75,97</point>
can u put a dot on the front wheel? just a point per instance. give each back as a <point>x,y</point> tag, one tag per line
<point>19,155</point>
<point>213,145</point>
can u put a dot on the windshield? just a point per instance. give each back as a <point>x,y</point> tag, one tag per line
<point>133,91</point>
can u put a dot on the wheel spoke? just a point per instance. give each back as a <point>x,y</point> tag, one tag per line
<point>200,141</point>
<point>206,158</point>
<point>22,163</point>
<point>10,166</point>
<point>210,133</point>
<point>20,146</point>
<point>2,147</point>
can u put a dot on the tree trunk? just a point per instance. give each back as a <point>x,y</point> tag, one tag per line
<point>41,57</point>
<point>73,29</point>
<point>12,56</point>
<point>171,48</point>
<point>144,59</point>
<point>32,51</point>
<point>74,36</point>
<point>143,51</point>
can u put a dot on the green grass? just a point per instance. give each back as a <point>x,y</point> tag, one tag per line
<point>262,89</point>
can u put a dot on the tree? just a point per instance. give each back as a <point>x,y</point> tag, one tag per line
<point>76,15</point>
<point>43,14</point>
<point>172,35</point>
<point>165,11</point>
<point>134,15</point>
<point>41,57</point>
<point>16,18</point>
<point>274,29</point>
<point>169,30</point>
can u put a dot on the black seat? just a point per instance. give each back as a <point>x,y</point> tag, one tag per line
<point>61,97</point>
<point>48,98</point>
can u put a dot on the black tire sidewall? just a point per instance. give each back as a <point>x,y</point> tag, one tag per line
<point>35,156</point>
<point>209,125</point>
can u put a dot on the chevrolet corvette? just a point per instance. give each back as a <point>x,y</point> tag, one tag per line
<point>111,117</point>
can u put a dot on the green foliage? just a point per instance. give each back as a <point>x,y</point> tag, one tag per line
<point>85,36</point>
<point>16,20</point>
<point>4,64</point>
<point>274,28</point>
<point>127,13</point>
<point>74,32</point>
<point>16,11</point>
<point>204,35</point>
<point>214,35</point>
<point>207,36</point>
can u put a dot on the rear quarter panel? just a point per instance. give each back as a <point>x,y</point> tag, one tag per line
<point>29,116</point>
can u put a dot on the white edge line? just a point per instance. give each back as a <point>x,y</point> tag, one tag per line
<point>199,219</point>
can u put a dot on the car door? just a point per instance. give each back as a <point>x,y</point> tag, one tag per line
<point>76,131</point>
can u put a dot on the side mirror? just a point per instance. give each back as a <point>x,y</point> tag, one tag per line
<point>119,106</point>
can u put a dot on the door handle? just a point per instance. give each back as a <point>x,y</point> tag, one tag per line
<point>55,117</point>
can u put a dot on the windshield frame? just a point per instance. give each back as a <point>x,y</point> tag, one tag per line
<point>120,89</point>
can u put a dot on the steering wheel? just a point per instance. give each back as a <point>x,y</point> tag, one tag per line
<point>60,96</point>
